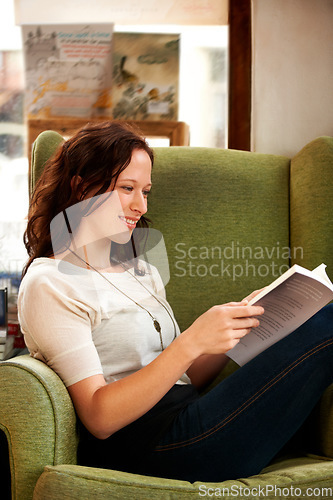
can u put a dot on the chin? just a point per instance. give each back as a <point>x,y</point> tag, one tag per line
<point>121,238</point>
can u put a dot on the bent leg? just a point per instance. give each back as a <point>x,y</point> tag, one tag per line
<point>239,426</point>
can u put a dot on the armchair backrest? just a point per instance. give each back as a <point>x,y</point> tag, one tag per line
<point>42,149</point>
<point>311,203</point>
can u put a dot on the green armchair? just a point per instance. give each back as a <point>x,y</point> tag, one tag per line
<point>232,221</point>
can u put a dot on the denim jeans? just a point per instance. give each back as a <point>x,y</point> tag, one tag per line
<point>238,427</point>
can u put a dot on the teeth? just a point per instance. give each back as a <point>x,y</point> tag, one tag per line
<point>129,221</point>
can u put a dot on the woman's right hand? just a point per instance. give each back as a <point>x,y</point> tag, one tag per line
<point>220,328</point>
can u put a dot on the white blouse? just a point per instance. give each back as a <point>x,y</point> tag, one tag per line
<point>81,325</point>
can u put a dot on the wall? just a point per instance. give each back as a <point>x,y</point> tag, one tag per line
<point>203,12</point>
<point>292,78</point>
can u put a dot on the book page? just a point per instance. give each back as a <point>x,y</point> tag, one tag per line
<point>320,273</point>
<point>287,307</point>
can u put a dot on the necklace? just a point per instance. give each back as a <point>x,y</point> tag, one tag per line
<point>156,323</point>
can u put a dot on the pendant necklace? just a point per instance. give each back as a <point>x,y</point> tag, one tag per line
<point>156,323</point>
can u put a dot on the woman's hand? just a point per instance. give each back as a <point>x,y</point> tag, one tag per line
<point>253,294</point>
<point>220,328</point>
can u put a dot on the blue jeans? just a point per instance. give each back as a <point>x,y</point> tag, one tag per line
<point>237,428</point>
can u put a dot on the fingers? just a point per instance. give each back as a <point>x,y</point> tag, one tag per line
<point>243,310</point>
<point>254,294</point>
<point>222,326</point>
<point>233,343</point>
<point>242,318</point>
<point>245,323</point>
<point>243,302</point>
<point>235,338</point>
<point>239,334</point>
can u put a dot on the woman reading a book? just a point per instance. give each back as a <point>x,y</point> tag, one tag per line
<point>95,311</point>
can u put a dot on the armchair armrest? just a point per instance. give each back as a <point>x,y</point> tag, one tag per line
<point>38,418</point>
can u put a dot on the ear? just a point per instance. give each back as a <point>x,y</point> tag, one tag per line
<point>75,183</point>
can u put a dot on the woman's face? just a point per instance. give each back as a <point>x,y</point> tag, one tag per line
<point>132,189</point>
<point>119,209</point>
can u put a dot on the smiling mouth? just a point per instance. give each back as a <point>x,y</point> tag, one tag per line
<point>129,222</point>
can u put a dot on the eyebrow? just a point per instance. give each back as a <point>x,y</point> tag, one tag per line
<point>134,181</point>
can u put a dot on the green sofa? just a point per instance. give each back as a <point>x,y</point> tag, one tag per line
<point>232,221</point>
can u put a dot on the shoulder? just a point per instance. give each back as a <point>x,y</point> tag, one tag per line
<point>45,270</point>
<point>52,277</point>
<point>50,288</point>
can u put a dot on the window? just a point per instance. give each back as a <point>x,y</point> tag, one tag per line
<point>13,160</point>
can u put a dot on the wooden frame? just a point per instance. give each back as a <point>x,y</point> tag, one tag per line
<point>176,132</point>
<point>240,74</point>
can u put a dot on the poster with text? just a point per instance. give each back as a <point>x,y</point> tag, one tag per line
<point>68,70</point>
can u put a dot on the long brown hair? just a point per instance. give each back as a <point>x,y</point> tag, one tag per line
<point>96,155</point>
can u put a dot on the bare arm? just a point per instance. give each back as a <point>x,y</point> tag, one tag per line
<point>206,368</point>
<point>106,408</point>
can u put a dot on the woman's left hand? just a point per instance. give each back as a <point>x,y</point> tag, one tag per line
<point>254,294</point>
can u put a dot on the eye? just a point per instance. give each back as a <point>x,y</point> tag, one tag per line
<point>127,188</point>
<point>146,192</point>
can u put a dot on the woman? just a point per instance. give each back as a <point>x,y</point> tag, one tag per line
<point>97,314</point>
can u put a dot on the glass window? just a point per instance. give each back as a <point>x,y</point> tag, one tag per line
<point>203,78</point>
<point>13,159</point>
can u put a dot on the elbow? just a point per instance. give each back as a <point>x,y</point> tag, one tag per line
<point>97,420</point>
<point>97,414</point>
<point>98,430</point>
<point>101,434</point>
<point>98,426</point>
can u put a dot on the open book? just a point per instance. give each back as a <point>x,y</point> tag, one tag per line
<point>288,302</point>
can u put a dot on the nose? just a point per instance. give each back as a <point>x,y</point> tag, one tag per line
<point>139,203</point>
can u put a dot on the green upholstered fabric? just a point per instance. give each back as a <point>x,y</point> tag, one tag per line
<point>82,483</point>
<point>37,416</point>
<point>311,203</point>
<point>43,147</point>
<point>224,216</point>
<point>202,199</point>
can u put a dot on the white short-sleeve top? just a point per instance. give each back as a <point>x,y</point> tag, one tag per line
<point>80,324</point>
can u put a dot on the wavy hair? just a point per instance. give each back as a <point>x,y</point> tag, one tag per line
<point>94,156</point>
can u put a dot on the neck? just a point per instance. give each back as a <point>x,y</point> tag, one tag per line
<point>83,257</point>
<point>96,254</point>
